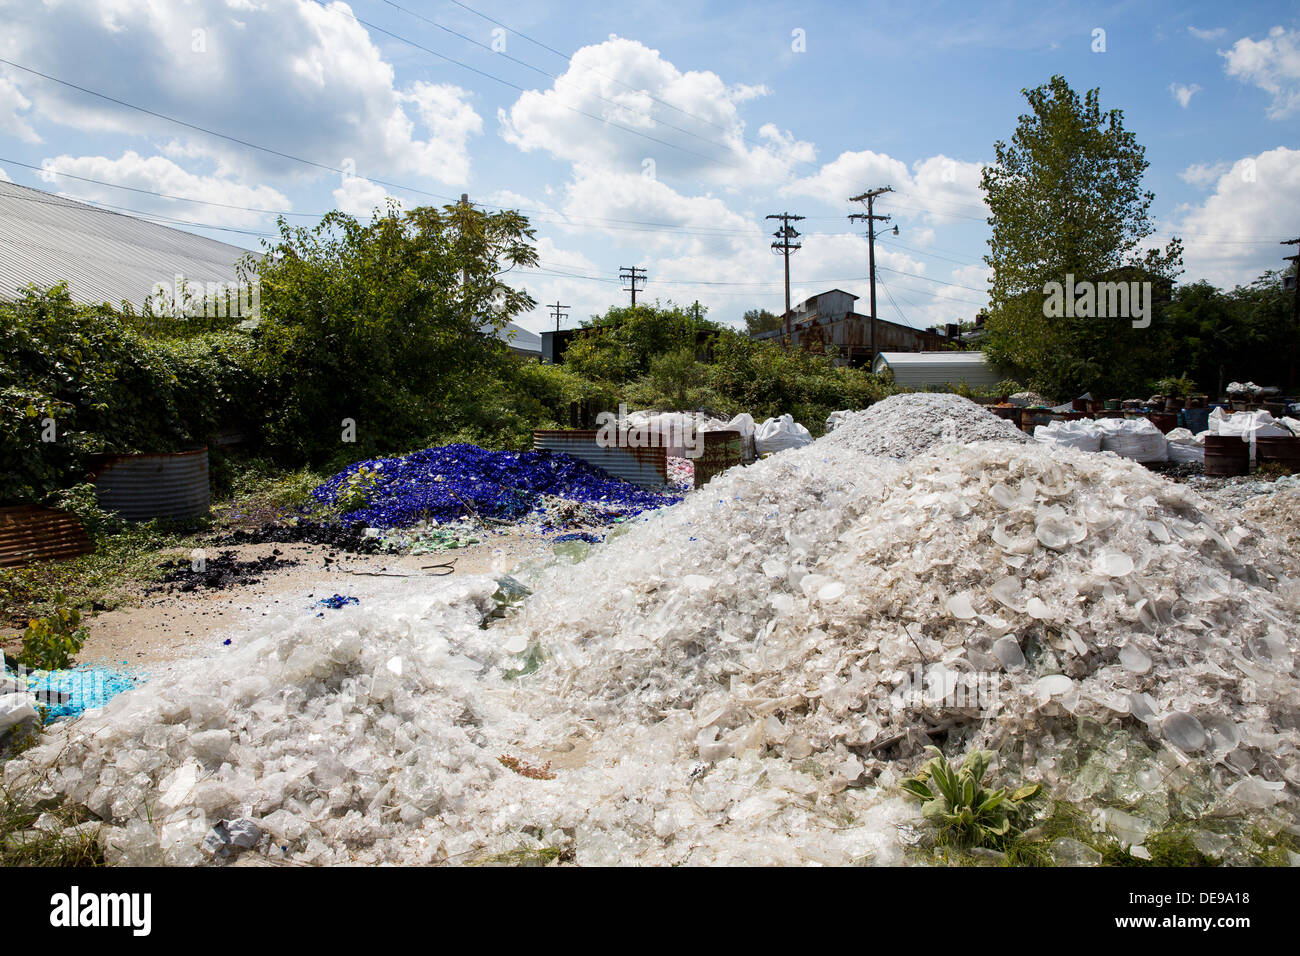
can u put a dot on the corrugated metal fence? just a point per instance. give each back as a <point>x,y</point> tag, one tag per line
<point>647,467</point>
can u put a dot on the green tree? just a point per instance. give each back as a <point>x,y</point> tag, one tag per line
<point>761,320</point>
<point>1066,198</point>
<point>620,345</point>
<point>384,323</point>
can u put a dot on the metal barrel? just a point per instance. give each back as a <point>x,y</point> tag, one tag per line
<point>1011,413</point>
<point>1226,456</point>
<point>144,487</point>
<point>1196,420</point>
<point>722,450</point>
<point>1282,451</point>
<point>1165,421</point>
<point>647,467</point>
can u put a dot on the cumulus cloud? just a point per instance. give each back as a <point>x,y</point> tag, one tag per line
<point>158,174</point>
<point>291,75</point>
<point>360,197</point>
<point>1202,175</point>
<point>1183,93</point>
<point>1272,64</point>
<point>1232,237</point>
<point>13,109</point>
<point>4,177</point>
<point>621,105</point>
<point>937,189</point>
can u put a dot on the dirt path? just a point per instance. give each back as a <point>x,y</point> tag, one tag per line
<point>175,623</point>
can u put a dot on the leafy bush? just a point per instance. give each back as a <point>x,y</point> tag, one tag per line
<point>78,380</point>
<point>957,802</point>
<point>81,502</point>
<point>50,643</point>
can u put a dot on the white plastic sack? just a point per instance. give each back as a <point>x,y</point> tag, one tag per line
<point>1186,451</point>
<point>14,709</point>
<point>1083,435</point>
<point>743,423</point>
<point>1258,423</point>
<point>778,434</point>
<point>1134,438</point>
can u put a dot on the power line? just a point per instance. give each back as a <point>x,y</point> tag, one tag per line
<point>591,69</point>
<point>514,86</point>
<point>552,76</point>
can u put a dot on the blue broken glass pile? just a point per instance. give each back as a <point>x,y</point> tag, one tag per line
<point>465,481</point>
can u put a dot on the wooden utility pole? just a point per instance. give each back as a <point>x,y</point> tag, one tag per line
<point>1295,310</point>
<point>785,245</point>
<point>869,198</point>
<point>632,275</point>
<point>556,314</point>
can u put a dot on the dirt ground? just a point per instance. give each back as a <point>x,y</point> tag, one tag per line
<point>172,624</point>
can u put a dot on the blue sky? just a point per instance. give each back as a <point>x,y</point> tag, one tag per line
<point>655,134</point>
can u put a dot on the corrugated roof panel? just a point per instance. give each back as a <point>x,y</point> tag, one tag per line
<point>104,256</point>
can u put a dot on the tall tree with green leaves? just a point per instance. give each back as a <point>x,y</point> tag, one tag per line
<point>761,320</point>
<point>1066,199</point>
<point>386,323</point>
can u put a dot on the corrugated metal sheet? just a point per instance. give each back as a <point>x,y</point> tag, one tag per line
<point>917,369</point>
<point>103,256</point>
<point>144,487</point>
<point>647,467</point>
<point>29,534</point>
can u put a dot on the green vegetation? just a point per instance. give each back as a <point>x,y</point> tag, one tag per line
<point>50,643</point>
<point>761,320</point>
<point>22,845</point>
<point>1066,198</point>
<point>956,801</point>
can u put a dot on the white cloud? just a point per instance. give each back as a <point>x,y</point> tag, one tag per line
<point>12,107</point>
<point>4,177</point>
<point>1202,175</point>
<point>1272,64</point>
<point>1232,237</point>
<point>158,174</point>
<point>621,105</point>
<point>290,75</point>
<point>360,197</point>
<point>1212,34</point>
<point>937,189</point>
<point>1183,93</point>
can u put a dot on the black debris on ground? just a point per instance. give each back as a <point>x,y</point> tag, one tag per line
<point>223,570</point>
<point>349,537</point>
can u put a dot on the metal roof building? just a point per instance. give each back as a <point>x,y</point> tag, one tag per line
<point>523,343</point>
<point>104,256</point>
<point>919,369</point>
<point>107,256</point>
<point>828,319</point>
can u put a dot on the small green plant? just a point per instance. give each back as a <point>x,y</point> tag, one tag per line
<point>1180,387</point>
<point>50,643</point>
<point>956,801</point>
<point>361,484</point>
